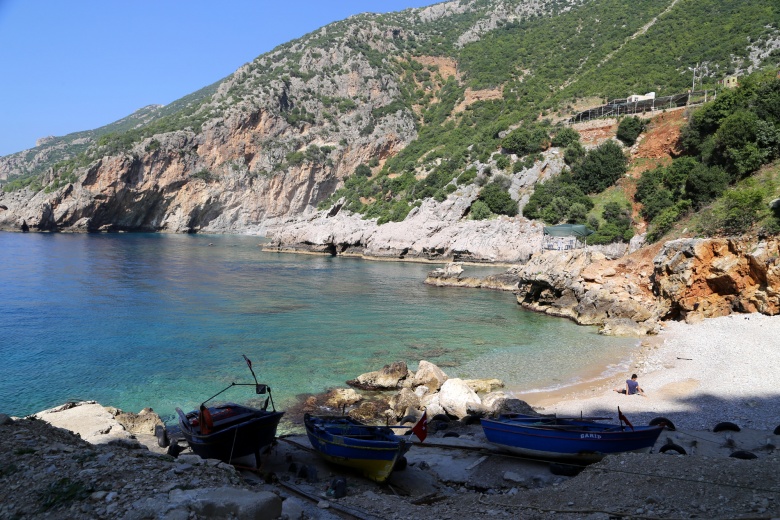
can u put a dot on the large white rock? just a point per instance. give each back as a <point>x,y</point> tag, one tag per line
<point>456,397</point>
<point>92,421</point>
<point>429,375</point>
<point>431,404</point>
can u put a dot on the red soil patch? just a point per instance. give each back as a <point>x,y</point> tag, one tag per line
<point>595,132</point>
<point>472,96</point>
<point>660,142</point>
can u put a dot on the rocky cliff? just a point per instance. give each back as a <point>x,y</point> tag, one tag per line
<point>432,90</point>
<point>272,140</point>
<point>707,278</point>
<point>435,231</point>
<point>688,279</point>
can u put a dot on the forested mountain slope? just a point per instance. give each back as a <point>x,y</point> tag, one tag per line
<point>396,110</point>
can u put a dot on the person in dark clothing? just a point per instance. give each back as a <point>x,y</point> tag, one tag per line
<point>632,387</point>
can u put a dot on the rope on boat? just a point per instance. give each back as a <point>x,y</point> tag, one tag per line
<point>233,446</point>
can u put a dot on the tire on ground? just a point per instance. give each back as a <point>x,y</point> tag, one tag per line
<point>744,455</point>
<point>673,447</point>
<point>669,425</point>
<point>726,427</point>
<point>565,470</point>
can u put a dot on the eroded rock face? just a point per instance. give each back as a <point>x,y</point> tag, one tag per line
<point>707,278</point>
<point>686,279</point>
<point>587,287</point>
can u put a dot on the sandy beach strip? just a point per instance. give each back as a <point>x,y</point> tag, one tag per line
<point>697,375</point>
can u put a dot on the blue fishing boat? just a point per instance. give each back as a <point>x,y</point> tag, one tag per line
<point>583,440</point>
<point>372,450</point>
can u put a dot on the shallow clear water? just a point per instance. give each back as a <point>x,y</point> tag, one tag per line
<point>162,320</point>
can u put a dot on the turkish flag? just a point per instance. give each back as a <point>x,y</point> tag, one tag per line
<point>623,418</point>
<point>421,428</point>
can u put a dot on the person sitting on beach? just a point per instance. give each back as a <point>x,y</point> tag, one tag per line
<point>632,387</point>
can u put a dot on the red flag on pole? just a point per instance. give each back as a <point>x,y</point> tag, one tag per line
<point>421,428</point>
<point>624,419</point>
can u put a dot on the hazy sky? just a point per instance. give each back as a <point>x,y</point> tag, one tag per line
<point>67,66</point>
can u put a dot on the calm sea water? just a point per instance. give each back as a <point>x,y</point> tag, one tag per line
<point>158,320</point>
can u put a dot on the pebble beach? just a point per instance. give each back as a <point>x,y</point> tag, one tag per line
<point>697,375</point>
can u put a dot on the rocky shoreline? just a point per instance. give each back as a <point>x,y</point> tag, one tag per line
<point>696,375</point>
<point>685,279</point>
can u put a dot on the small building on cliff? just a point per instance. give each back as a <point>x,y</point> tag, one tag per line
<point>565,237</point>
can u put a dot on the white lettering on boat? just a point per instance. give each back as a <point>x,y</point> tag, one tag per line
<point>590,436</point>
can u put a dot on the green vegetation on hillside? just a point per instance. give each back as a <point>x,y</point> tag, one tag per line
<point>726,141</point>
<point>542,65</point>
<point>629,129</point>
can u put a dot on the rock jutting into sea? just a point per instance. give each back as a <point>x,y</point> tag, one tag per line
<point>431,232</point>
<point>688,279</point>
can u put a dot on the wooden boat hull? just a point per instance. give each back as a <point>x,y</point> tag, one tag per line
<point>573,440</point>
<point>371,450</point>
<point>238,431</point>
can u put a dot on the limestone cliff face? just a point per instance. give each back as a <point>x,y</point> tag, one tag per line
<point>589,288</point>
<point>267,143</point>
<point>434,231</point>
<point>264,145</point>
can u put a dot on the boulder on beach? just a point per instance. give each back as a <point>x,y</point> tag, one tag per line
<point>388,378</point>
<point>510,405</point>
<point>429,375</point>
<point>94,422</point>
<point>432,405</point>
<point>457,398</point>
<point>402,401</point>
<point>143,422</point>
<point>339,398</point>
<point>368,411</point>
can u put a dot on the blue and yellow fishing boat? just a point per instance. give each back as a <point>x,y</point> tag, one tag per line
<point>372,450</point>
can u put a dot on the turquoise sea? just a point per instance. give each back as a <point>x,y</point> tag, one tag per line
<point>137,320</point>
